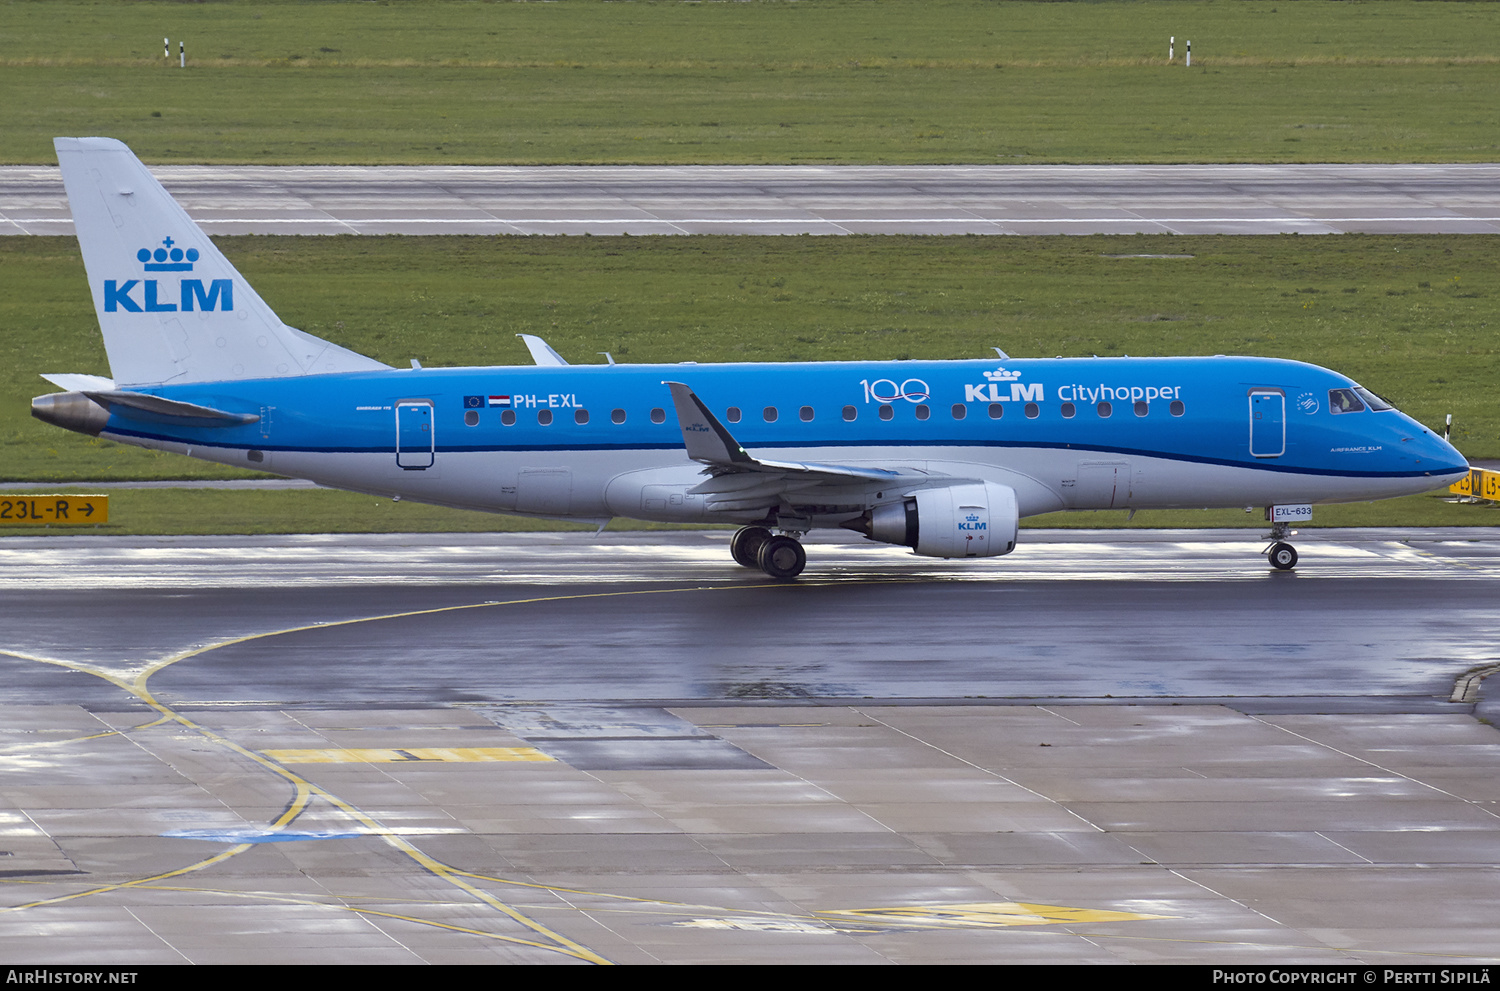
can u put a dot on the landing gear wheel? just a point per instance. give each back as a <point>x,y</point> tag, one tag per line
<point>745,545</point>
<point>1283,557</point>
<point>782,557</point>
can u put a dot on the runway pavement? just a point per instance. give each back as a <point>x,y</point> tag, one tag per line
<point>665,617</point>
<point>1143,747</point>
<point>1118,747</point>
<point>1047,199</point>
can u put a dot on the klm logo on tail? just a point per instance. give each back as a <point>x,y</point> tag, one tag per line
<point>219,295</point>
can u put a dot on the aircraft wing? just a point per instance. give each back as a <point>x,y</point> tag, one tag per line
<point>741,481</point>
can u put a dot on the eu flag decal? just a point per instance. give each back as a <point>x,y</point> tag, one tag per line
<point>473,402</point>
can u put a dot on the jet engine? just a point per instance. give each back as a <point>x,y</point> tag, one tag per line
<point>969,519</point>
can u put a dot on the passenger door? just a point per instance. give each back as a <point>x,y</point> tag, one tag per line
<point>1267,423</point>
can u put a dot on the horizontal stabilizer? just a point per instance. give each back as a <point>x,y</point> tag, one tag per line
<point>155,407</point>
<point>74,382</point>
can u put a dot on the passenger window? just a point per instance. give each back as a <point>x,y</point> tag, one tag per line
<point>1142,407</point>
<point>471,417</point>
<point>960,411</point>
<point>658,415</point>
<point>850,413</point>
<point>618,416</point>
<point>886,412</point>
<point>996,411</point>
<point>581,416</point>
<point>544,417</point>
<point>769,413</point>
<point>806,413</point>
<point>1033,411</point>
<point>1105,409</point>
<point>732,414</point>
<point>1177,409</point>
<point>508,417</point>
<point>1344,401</point>
<point>1068,410</point>
<point>923,412</point>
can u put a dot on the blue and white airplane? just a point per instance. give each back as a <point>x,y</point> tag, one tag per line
<point>944,457</point>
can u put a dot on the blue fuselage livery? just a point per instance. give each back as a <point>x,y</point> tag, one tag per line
<point>595,421</point>
<point>941,456</point>
<point>594,442</point>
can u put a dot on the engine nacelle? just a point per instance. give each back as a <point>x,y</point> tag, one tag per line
<point>970,519</point>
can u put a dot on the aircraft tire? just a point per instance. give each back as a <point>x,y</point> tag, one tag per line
<point>1283,557</point>
<point>745,545</point>
<point>782,557</point>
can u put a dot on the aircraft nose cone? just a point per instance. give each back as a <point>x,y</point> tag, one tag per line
<point>1441,459</point>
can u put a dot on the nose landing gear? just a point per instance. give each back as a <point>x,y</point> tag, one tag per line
<point>778,555</point>
<point>1282,555</point>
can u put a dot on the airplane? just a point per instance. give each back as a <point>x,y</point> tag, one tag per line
<point>943,457</point>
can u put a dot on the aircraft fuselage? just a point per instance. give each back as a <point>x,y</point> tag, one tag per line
<point>602,440</point>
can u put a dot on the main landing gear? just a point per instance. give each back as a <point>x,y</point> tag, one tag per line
<point>778,555</point>
<point>1282,555</point>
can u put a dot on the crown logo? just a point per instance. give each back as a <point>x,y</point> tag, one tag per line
<point>972,518</point>
<point>168,258</point>
<point>1002,375</point>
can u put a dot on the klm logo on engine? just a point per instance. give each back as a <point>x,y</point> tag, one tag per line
<point>191,293</point>
<point>1016,392</point>
<point>971,522</point>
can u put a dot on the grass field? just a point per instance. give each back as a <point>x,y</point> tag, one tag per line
<point>1406,315</point>
<point>896,81</point>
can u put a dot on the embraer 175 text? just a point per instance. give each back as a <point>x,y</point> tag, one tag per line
<point>941,456</point>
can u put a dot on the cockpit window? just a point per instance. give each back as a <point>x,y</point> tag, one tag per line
<point>1344,401</point>
<point>1373,401</point>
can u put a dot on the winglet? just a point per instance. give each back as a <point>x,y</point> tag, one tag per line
<point>706,439</point>
<point>541,351</point>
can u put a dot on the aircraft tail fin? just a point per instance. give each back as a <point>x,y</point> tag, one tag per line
<point>170,305</point>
